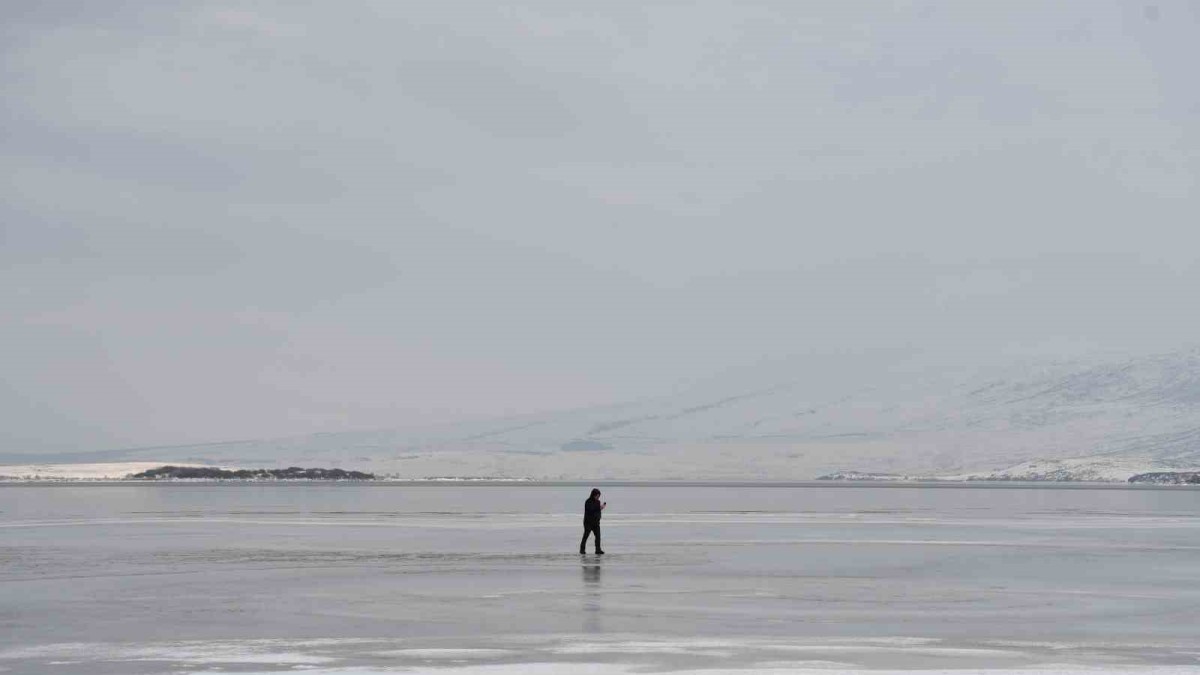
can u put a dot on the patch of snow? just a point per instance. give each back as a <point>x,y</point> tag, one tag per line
<point>1104,469</point>
<point>79,472</point>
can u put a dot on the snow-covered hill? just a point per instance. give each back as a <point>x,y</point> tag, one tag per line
<point>1090,421</point>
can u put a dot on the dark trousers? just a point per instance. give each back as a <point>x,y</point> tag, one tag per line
<point>589,529</point>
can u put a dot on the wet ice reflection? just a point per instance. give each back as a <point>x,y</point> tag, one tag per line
<point>592,598</point>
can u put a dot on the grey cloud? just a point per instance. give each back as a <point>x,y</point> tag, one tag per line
<point>237,220</point>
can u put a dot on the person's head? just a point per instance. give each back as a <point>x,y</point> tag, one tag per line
<point>595,493</point>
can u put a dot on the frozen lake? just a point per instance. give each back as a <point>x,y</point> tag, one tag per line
<point>352,578</point>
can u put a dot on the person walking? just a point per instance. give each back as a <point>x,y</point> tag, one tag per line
<point>591,520</point>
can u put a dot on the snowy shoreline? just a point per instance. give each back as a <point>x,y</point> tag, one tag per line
<point>1054,473</point>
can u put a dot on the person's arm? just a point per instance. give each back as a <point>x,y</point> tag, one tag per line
<point>602,505</point>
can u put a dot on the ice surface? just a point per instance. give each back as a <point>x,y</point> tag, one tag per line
<point>780,669</point>
<point>323,578</point>
<point>774,669</point>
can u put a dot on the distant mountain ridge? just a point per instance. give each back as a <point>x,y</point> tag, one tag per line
<point>1055,421</point>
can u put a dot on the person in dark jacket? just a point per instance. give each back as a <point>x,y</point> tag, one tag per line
<point>591,520</point>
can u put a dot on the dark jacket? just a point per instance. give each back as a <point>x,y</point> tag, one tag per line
<point>591,512</point>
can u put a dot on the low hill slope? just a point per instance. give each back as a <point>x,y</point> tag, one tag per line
<point>1106,420</point>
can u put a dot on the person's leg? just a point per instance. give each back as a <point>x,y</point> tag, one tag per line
<point>596,529</point>
<point>583,543</point>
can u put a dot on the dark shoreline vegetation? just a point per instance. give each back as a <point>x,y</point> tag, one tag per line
<point>211,473</point>
<point>1168,478</point>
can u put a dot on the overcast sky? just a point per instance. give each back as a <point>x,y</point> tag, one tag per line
<point>235,220</point>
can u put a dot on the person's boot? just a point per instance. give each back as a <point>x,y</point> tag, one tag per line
<point>598,552</point>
